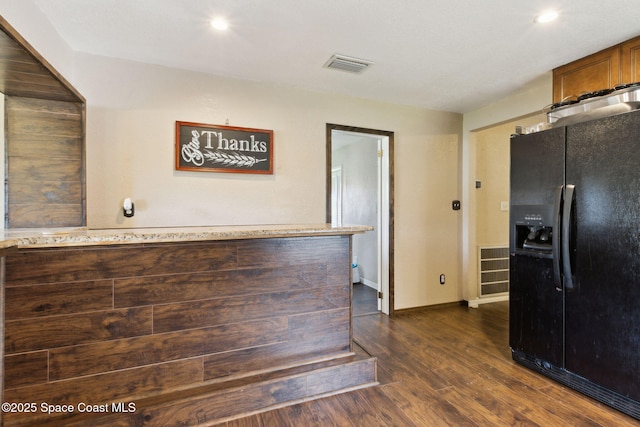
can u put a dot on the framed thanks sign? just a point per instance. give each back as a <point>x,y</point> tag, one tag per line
<point>213,148</point>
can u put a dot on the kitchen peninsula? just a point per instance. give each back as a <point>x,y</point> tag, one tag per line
<point>176,325</point>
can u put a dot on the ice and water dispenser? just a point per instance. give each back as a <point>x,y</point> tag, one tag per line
<point>532,232</point>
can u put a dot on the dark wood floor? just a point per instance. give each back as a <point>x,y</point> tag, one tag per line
<point>445,366</point>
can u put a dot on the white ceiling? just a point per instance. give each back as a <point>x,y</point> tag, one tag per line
<point>450,55</point>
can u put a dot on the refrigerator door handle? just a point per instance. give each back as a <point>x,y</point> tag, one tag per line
<point>569,198</point>
<point>555,242</point>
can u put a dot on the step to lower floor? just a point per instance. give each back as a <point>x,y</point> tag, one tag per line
<point>221,401</point>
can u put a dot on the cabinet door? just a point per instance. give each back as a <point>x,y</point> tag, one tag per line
<point>594,72</point>
<point>630,58</point>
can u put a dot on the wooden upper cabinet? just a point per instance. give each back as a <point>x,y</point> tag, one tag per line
<point>619,64</point>
<point>594,72</point>
<point>630,57</point>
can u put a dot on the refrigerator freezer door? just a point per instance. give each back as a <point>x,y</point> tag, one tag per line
<point>535,310</point>
<point>535,303</point>
<point>537,167</point>
<point>603,310</point>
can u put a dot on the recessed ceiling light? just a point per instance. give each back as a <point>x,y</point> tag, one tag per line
<point>548,16</point>
<point>220,24</point>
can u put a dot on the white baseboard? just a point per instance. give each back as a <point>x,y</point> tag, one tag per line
<point>369,283</point>
<point>476,302</point>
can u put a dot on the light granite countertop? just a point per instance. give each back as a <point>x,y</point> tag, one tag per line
<point>66,237</point>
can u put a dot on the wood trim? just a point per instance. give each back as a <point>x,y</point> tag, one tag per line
<point>83,163</point>
<point>327,204</point>
<point>329,128</point>
<point>392,245</point>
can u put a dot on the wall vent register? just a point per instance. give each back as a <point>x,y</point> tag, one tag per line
<point>349,64</point>
<point>493,270</point>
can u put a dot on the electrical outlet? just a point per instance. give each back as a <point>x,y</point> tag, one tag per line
<point>504,206</point>
<point>442,279</point>
<point>455,205</point>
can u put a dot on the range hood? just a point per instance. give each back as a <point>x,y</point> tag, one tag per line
<point>594,105</point>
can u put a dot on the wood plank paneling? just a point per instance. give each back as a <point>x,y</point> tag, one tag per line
<point>43,215</point>
<point>108,387</point>
<point>184,287</point>
<point>42,118</point>
<point>207,409</point>
<point>30,170</point>
<point>39,152</point>
<point>107,356</point>
<point>294,251</point>
<point>58,331</point>
<point>197,314</point>
<point>14,57</point>
<point>54,299</point>
<point>212,404</point>
<point>114,322</point>
<point>67,265</point>
<point>311,336</point>
<point>26,369</point>
<point>203,410</point>
<point>344,377</point>
<point>319,324</point>
<point>61,147</point>
<point>53,194</point>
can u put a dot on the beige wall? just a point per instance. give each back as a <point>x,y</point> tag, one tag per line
<point>492,170</point>
<point>430,228</point>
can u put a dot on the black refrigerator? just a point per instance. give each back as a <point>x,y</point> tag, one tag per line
<point>574,311</point>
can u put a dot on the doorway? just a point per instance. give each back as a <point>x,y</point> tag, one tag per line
<point>489,257</point>
<point>360,191</point>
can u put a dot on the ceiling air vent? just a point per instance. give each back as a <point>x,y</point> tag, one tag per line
<point>345,63</point>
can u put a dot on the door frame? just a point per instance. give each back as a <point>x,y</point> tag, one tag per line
<point>390,135</point>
